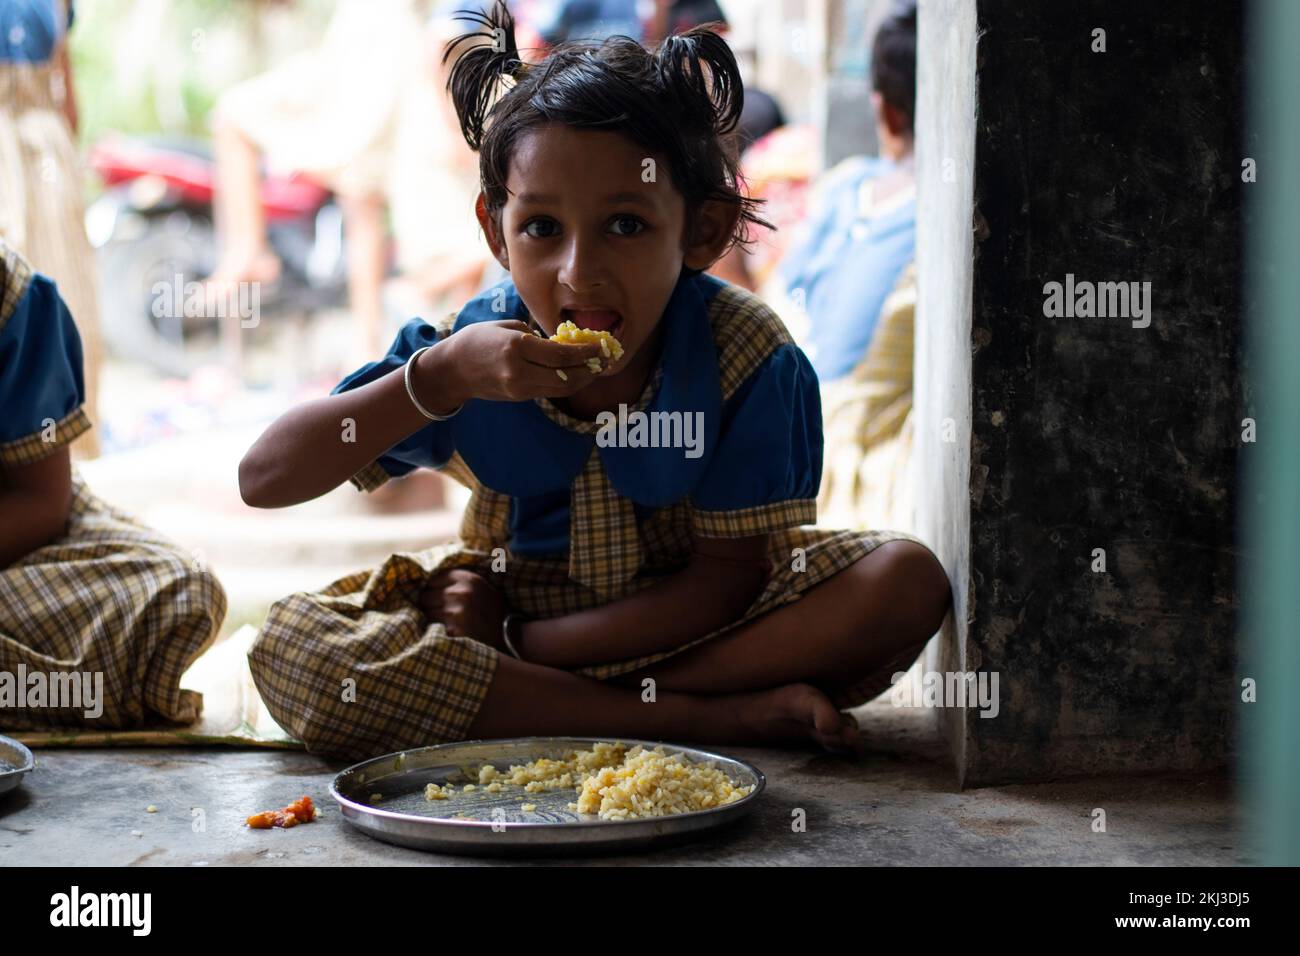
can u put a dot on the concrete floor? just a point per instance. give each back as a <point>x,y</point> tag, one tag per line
<point>898,806</point>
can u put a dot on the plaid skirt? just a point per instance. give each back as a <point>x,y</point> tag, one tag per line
<point>115,603</point>
<point>356,670</point>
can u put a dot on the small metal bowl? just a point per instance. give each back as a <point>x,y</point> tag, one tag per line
<point>15,761</point>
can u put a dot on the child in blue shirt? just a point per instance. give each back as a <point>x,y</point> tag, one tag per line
<point>92,602</point>
<point>638,529</point>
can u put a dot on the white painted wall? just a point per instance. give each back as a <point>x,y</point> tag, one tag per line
<point>945,150</point>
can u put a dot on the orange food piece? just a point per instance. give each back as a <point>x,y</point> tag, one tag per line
<point>300,811</point>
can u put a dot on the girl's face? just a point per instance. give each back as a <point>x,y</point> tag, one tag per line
<point>593,231</point>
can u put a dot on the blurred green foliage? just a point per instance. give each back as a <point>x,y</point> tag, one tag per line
<point>158,66</point>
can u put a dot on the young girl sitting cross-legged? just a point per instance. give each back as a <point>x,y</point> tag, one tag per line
<point>635,516</point>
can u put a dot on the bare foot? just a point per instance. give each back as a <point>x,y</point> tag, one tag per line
<point>793,713</point>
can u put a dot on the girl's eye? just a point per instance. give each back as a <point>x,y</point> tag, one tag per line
<point>624,226</point>
<point>546,224</point>
<point>640,226</point>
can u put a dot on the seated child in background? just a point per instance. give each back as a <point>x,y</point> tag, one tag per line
<point>84,589</point>
<point>589,560</point>
<point>847,290</point>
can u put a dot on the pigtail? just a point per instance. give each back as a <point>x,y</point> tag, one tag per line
<point>711,100</point>
<point>698,74</point>
<point>475,78</point>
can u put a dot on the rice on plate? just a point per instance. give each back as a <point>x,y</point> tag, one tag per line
<point>617,783</point>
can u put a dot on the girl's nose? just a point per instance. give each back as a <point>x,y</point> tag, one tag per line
<point>582,267</point>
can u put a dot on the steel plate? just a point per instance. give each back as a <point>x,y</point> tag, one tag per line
<point>15,761</point>
<point>494,824</point>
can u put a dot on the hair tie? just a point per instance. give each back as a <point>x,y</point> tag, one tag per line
<point>513,71</point>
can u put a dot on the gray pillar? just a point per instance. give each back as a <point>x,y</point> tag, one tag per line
<point>1078,437</point>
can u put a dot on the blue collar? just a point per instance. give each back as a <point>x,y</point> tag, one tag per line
<point>516,449</point>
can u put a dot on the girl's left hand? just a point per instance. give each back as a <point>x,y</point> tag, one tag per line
<point>467,604</point>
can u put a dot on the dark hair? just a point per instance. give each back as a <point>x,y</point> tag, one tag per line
<point>893,60</point>
<point>664,100</point>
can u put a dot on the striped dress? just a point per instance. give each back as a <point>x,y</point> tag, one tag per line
<point>580,523</point>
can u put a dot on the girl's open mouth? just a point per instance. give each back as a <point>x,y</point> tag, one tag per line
<point>598,320</point>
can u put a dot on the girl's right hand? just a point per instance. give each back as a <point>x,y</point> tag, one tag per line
<point>506,362</point>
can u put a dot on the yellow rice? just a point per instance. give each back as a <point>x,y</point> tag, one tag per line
<point>617,783</point>
<point>570,334</point>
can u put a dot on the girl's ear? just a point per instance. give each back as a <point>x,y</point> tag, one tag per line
<point>494,240</point>
<point>714,225</point>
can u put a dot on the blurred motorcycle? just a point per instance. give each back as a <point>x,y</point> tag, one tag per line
<point>153,230</point>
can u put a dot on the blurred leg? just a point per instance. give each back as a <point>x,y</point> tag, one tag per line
<point>363,223</point>
<point>245,255</point>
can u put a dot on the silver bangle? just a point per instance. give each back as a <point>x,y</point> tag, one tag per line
<point>411,392</point>
<point>505,634</point>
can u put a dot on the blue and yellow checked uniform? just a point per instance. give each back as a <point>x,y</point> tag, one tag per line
<point>355,670</point>
<point>108,595</point>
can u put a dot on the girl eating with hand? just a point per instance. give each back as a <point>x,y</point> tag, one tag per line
<point>605,582</point>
